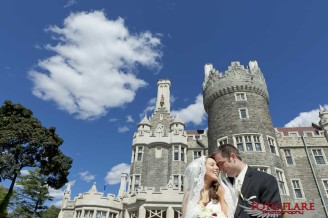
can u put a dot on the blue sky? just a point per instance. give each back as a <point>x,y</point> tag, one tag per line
<point>90,68</point>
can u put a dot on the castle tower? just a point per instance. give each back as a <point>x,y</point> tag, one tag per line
<point>323,114</point>
<point>163,94</point>
<point>155,143</point>
<point>121,191</point>
<point>237,106</point>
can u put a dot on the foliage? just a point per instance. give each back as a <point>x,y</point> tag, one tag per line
<point>51,212</point>
<point>24,142</point>
<point>33,192</point>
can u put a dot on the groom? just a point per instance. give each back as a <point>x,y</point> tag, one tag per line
<point>251,184</point>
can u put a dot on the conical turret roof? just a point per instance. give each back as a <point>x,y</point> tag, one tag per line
<point>145,121</point>
<point>177,119</point>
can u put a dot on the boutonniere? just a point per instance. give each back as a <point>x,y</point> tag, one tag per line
<point>248,200</point>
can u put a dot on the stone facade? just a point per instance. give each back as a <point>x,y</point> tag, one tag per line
<point>237,105</point>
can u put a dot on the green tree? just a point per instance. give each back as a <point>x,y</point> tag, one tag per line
<point>33,192</point>
<point>24,142</point>
<point>51,212</point>
<point>13,200</point>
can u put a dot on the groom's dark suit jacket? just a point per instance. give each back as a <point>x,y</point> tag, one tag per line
<point>262,185</point>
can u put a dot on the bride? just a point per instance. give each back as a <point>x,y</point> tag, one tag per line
<point>207,192</point>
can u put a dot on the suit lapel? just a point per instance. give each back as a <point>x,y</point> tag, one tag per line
<point>247,180</point>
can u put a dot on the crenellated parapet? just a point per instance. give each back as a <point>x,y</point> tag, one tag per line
<point>235,79</point>
<point>165,136</point>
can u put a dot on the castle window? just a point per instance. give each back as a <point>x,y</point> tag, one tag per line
<point>139,153</point>
<point>182,157</point>
<point>78,213</point>
<point>240,96</point>
<point>258,146</point>
<point>318,156</point>
<point>288,156</point>
<point>130,183</point>
<point>272,145</point>
<point>264,169</point>
<point>223,141</point>
<point>133,214</point>
<point>297,188</point>
<point>281,182</point>
<point>176,153</point>
<point>197,154</point>
<point>240,143</point>
<point>325,186</point>
<point>102,214</point>
<point>177,213</point>
<point>153,213</point>
<point>136,182</point>
<point>88,213</point>
<point>243,113</point>
<point>248,142</point>
<point>112,215</point>
<point>179,153</point>
<point>178,181</point>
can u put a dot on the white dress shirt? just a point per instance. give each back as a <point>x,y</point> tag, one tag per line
<point>239,180</point>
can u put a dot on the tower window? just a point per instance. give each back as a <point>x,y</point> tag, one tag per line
<point>297,188</point>
<point>197,154</point>
<point>178,181</point>
<point>281,182</point>
<point>248,142</point>
<point>223,141</point>
<point>179,153</point>
<point>318,156</point>
<point>288,157</point>
<point>139,153</point>
<point>240,96</point>
<point>272,145</point>
<point>243,113</point>
<point>136,182</point>
<point>325,185</point>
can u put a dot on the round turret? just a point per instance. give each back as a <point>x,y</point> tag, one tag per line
<point>237,106</point>
<point>144,124</point>
<point>177,123</point>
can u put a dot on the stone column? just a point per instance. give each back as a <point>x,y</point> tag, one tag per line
<point>142,212</point>
<point>126,214</point>
<point>170,212</point>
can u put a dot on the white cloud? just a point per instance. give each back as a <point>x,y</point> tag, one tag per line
<point>194,113</point>
<point>86,176</point>
<point>305,118</point>
<point>123,129</point>
<point>114,175</point>
<point>94,65</point>
<point>57,203</point>
<point>24,172</point>
<point>129,119</point>
<point>150,107</point>
<point>70,3</point>
<point>113,120</point>
<point>56,194</point>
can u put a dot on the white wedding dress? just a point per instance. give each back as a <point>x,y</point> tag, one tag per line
<point>211,209</point>
<point>194,183</point>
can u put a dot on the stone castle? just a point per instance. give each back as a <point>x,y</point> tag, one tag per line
<point>236,102</point>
